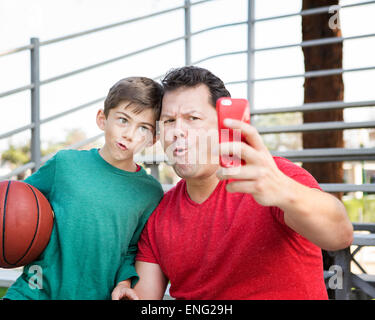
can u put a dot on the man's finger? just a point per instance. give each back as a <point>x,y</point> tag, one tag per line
<point>238,149</point>
<point>247,172</point>
<point>251,134</point>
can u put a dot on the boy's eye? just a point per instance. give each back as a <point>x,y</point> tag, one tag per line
<point>123,120</point>
<point>143,130</point>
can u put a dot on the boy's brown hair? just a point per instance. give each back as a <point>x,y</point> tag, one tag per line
<point>140,92</point>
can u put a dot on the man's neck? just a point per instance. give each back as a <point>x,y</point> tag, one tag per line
<point>199,190</point>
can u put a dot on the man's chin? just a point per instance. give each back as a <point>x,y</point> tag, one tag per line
<point>185,171</point>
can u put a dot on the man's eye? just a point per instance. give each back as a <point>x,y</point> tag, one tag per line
<point>168,121</point>
<point>193,118</point>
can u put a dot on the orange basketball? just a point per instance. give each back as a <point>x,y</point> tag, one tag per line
<point>26,221</point>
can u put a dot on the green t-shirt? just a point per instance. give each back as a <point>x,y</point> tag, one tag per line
<point>100,211</point>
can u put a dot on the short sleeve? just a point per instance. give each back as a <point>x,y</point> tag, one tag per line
<point>298,174</point>
<point>44,178</point>
<point>145,249</point>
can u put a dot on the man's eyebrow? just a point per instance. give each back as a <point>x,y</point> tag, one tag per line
<point>184,113</point>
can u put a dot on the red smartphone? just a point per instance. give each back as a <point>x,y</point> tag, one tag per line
<point>234,109</point>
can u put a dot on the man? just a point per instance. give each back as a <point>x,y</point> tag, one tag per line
<point>253,232</point>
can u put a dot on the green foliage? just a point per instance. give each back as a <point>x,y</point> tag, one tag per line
<point>17,155</point>
<point>3,292</point>
<point>361,210</point>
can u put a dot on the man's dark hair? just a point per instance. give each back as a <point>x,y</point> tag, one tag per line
<point>191,76</point>
<point>140,92</point>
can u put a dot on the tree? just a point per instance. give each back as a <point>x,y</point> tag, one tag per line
<point>318,89</point>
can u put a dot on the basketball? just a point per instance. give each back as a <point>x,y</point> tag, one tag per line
<point>26,221</point>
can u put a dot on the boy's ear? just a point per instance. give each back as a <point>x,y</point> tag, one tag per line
<point>101,119</point>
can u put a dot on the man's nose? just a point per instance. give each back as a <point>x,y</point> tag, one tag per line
<point>179,129</point>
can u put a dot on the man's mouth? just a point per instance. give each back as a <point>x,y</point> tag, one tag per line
<point>122,146</point>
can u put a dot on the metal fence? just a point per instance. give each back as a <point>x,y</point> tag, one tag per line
<point>312,155</point>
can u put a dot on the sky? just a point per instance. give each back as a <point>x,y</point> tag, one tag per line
<point>47,19</point>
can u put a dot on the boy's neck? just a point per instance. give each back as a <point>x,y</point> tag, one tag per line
<point>126,165</point>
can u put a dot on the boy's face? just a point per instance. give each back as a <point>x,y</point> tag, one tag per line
<point>126,133</point>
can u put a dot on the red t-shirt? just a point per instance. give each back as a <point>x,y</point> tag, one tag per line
<point>230,247</point>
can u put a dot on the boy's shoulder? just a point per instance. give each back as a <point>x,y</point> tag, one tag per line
<point>152,182</point>
<point>72,153</point>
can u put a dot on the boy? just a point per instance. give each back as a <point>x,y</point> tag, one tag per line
<point>101,200</point>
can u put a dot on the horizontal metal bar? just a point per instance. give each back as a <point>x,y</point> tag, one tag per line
<point>31,165</point>
<point>150,159</point>
<point>84,142</point>
<point>109,26</point>
<point>17,171</point>
<point>327,154</point>
<point>100,64</point>
<point>218,27</point>
<point>328,187</point>
<point>235,82</point>
<point>313,11</point>
<point>200,2</point>
<point>17,90</point>
<point>56,116</point>
<point>318,126</point>
<point>346,187</point>
<point>16,50</point>
<point>15,131</point>
<point>317,106</point>
<point>219,55</point>
<point>316,42</point>
<point>314,74</point>
<point>59,115</point>
<point>74,146</point>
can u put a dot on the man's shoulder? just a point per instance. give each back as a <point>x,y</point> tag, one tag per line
<point>288,167</point>
<point>172,196</point>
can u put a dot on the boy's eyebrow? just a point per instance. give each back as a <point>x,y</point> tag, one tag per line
<point>144,123</point>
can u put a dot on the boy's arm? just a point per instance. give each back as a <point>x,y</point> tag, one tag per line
<point>151,285</point>
<point>127,269</point>
<point>152,281</point>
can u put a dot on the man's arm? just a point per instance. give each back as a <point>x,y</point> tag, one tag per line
<point>316,215</point>
<point>152,281</point>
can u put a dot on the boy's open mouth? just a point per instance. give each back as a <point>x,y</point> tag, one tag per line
<point>122,146</point>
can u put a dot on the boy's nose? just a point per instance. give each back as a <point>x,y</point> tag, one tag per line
<point>128,133</point>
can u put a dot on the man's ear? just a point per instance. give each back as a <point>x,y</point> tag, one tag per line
<point>101,119</point>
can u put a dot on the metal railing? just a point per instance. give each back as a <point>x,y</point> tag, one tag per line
<point>313,155</point>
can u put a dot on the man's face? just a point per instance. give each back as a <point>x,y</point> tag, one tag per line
<point>126,132</point>
<point>188,131</point>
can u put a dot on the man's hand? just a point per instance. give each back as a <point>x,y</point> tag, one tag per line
<point>260,176</point>
<point>123,291</point>
<point>316,215</point>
